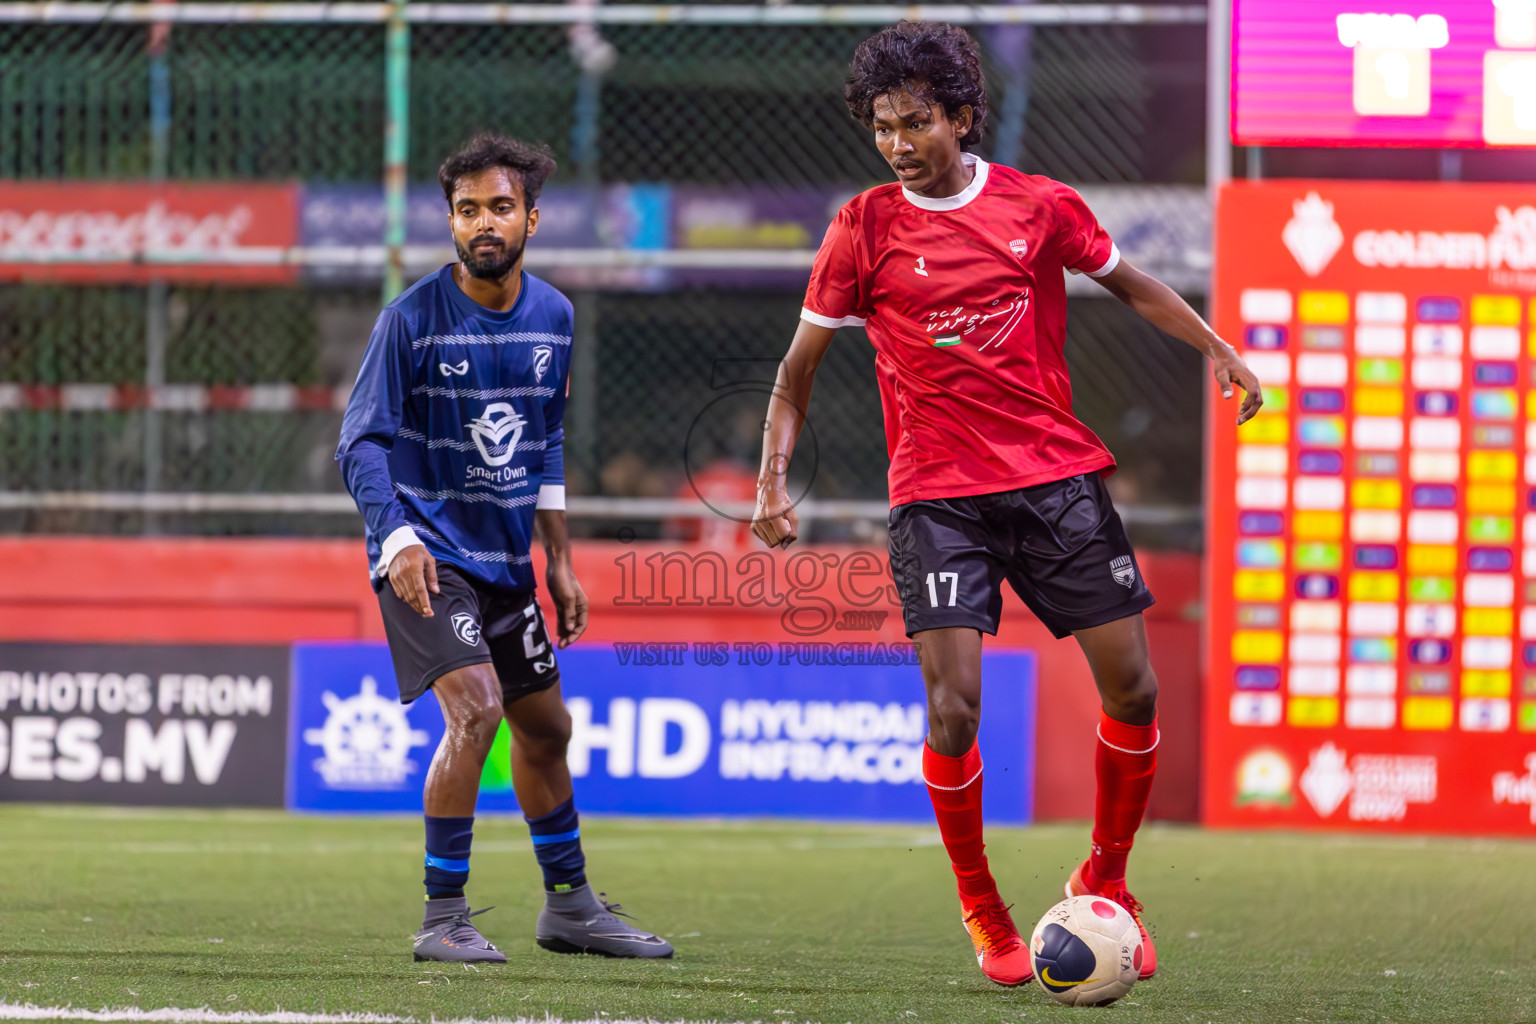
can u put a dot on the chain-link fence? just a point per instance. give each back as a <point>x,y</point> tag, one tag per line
<point>91,367</point>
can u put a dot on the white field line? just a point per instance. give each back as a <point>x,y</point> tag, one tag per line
<point>202,1015</point>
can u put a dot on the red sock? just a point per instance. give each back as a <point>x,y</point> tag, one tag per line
<point>954,786</point>
<point>1126,760</point>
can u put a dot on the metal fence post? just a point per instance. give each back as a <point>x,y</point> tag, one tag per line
<point>397,133</point>
<point>157,296</point>
<point>595,56</point>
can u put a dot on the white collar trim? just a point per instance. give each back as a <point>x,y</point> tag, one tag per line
<point>959,199</point>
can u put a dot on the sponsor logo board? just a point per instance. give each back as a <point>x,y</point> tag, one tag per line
<point>1373,591</point>
<point>140,724</point>
<point>132,232</point>
<point>702,733</point>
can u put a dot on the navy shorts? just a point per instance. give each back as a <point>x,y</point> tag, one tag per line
<point>470,625</point>
<point>1061,547</point>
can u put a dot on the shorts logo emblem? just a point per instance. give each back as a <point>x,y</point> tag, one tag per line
<point>466,628</point>
<point>1123,570</point>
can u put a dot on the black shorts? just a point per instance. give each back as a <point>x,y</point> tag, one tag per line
<point>1060,545</point>
<point>470,625</point>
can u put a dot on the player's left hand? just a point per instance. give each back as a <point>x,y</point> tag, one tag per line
<point>1230,370</point>
<point>570,602</point>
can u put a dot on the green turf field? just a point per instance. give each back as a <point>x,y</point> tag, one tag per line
<point>254,912</point>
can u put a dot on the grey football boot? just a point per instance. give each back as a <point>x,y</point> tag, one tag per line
<point>447,935</point>
<point>581,921</point>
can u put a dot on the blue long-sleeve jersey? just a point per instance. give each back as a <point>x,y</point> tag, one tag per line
<point>453,432</point>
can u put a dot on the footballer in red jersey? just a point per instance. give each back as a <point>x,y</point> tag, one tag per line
<point>955,272</point>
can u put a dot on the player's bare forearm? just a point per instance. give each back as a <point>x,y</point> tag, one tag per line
<point>774,520</point>
<point>1165,309</point>
<point>554,532</point>
<point>560,575</point>
<point>786,406</point>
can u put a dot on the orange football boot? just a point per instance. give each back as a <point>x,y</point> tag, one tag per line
<point>1000,950</point>
<point>1078,885</point>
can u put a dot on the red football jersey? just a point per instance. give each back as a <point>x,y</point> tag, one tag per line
<point>966,305</point>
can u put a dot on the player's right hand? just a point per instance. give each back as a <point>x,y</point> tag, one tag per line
<point>413,574</point>
<point>1230,369</point>
<point>775,520</point>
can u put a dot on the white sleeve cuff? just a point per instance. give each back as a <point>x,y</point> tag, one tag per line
<point>395,543</point>
<point>830,321</point>
<point>551,496</point>
<point>1109,264</point>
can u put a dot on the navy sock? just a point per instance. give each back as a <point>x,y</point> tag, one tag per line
<point>557,845</point>
<point>448,855</point>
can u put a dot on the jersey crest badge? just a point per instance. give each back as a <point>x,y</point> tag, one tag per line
<point>1020,246</point>
<point>542,354</point>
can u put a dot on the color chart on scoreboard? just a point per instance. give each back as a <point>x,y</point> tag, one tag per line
<point>1372,629</point>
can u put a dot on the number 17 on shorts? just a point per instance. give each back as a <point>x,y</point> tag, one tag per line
<point>936,588</point>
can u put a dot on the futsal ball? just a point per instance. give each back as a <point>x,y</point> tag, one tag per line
<point>1086,951</point>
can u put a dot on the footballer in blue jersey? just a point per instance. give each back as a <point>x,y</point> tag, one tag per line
<point>451,446</point>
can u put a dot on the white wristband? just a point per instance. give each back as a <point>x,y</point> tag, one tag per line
<point>395,543</point>
<point>551,496</point>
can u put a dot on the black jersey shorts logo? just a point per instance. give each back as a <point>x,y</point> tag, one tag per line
<point>1123,570</point>
<point>466,628</point>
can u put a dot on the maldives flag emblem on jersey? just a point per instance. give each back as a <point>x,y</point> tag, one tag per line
<point>946,327</point>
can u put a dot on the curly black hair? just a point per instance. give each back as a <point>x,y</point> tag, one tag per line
<point>532,164</point>
<point>935,61</point>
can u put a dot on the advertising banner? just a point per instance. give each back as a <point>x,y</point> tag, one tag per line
<point>1164,229</point>
<point>132,232</point>
<point>138,724</point>
<point>1425,73</point>
<point>1372,532</point>
<point>751,218</point>
<point>808,730</point>
<point>571,217</point>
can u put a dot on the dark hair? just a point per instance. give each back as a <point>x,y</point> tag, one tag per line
<point>532,164</point>
<point>938,62</point>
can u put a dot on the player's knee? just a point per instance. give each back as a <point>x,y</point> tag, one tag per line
<point>545,742</point>
<point>470,698</point>
<point>953,717</point>
<point>1133,698</point>
<point>556,738</point>
<point>478,723</point>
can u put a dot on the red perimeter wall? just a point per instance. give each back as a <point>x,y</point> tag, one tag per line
<point>88,589</point>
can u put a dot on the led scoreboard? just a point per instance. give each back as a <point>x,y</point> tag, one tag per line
<point>1372,532</point>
